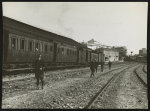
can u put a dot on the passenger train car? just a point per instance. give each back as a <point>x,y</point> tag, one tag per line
<point>22,44</point>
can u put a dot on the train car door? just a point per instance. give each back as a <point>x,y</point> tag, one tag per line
<point>55,52</point>
<point>5,45</point>
<point>77,55</point>
<point>90,57</point>
<point>86,56</point>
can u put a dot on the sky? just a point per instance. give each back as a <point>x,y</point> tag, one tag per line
<point>110,23</point>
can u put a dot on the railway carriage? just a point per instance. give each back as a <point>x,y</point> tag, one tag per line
<point>22,44</point>
<point>66,53</point>
<point>94,56</point>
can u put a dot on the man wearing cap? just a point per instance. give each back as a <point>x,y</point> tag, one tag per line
<point>92,67</point>
<point>39,71</point>
<point>96,65</point>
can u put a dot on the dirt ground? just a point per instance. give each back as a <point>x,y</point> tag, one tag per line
<point>63,89</point>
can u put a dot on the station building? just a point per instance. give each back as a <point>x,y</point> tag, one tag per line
<point>110,54</point>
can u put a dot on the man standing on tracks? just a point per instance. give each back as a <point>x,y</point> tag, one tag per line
<point>96,65</point>
<point>102,66</point>
<point>109,63</point>
<point>92,67</point>
<point>39,71</point>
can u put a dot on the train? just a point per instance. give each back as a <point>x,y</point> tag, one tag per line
<point>22,43</point>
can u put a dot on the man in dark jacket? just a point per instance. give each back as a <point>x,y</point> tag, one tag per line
<point>102,66</point>
<point>96,65</point>
<point>39,71</point>
<point>92,67</point>
<point>109,63</point>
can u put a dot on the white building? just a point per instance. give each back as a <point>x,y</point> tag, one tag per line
<point>109,54</point>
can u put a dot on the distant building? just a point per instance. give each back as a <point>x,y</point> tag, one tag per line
<point>110,54</point>
<point>143,52</point>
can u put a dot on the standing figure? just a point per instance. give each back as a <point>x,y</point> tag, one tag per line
<point>96,65</point>
<point>92,67</point>
<point>109,63</point>
<point>102,66</point>
<point>39,71</point>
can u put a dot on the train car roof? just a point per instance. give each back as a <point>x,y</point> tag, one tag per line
<point>31,29</point>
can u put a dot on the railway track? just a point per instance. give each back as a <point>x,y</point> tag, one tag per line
<point>118,70</point>
<point>47,74</point>
<point>144,69</point>
<point>143,81</point>
<point>31,70</point>
<point>103,89</point>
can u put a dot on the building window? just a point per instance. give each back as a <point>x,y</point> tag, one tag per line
<point>106,58</point>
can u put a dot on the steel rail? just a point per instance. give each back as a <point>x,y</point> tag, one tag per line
<point>144,69</point>
<point>142,81</point>
<point>103,89</point>
<point>82,70</point>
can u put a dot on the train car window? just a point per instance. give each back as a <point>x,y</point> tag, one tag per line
<point>37,46</point>
<point>17,43</point>
<point>22,44</point>
<point>62,50</point>
<point>58,50</point>
<point>73,53</point>
<point>30,45</point>
<point>46,48</point>
<point>41,47</point>
<point>33,46</point>
<point>13,43</point>
<point>51,48</point>
<point>70,52</point>
<point>67,51</point>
